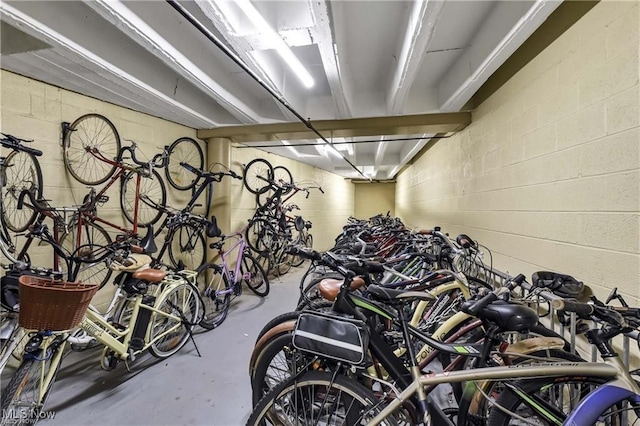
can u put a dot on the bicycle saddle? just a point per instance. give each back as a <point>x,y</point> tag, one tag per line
<point>148,243</point>
<point>329,288</point>
<point>508,316</point>
<point>150,275</point>
<point>560,284</point>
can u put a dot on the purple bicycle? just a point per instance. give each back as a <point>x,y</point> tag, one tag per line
<point>219,282</point>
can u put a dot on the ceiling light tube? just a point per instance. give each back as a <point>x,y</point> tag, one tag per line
<point>281,47</point>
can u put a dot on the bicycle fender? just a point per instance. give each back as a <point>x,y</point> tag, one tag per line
<point>592,407</point>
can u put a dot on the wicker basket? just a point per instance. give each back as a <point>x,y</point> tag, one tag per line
<point>46,304</point>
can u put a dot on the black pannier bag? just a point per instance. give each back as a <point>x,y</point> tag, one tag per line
<point>332,336</point>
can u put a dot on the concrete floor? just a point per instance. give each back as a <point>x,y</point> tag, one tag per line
<point>181,390</point>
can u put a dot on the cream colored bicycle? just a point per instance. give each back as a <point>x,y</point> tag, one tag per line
<point>161,323</point>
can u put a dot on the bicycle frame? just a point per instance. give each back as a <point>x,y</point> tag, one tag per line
<point>240,245</point>
<point>587,410</point>
<point>122,169</point>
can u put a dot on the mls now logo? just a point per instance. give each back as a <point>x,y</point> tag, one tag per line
<point>25,415</point>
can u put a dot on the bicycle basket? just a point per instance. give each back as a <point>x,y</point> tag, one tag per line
<point>46,304</point>
<point>340,338</point>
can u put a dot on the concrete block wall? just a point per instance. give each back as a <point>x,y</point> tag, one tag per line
<point>374,198</point>
<point>328,212</point>
<point>548,173</point>
<point>34,110</point>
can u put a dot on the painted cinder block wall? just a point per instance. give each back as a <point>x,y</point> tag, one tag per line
<point>374,198</point>
<point>547,174</point>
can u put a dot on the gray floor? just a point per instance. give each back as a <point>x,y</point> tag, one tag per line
<point>181,390</point>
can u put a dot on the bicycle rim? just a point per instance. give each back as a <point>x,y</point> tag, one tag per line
<point>90,132</point>
<point>22,173</point>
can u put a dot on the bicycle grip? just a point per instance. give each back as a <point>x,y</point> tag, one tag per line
<point>477,306</point>
<point>583,310</point>
<point>234,175</point>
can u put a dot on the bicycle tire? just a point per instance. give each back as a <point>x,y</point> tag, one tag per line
<point>183,150</point>
<point>90,131</point>
<point>264,260</point>
<point>211,282</point>
<point>24,389</point>
<point>306,241</point>
<point>344,401</point>
<point>258,175</point>
<point>282,175</point>
<point>187,246</point>
<point>21,172</point>
<point>152,187</point>
<point>282,259</point>
<point>535,389</point>
<point>253,275</point>
<point>93,235</point>
<point>180,300</point>
<point>260,235</point>
<point>274,365</point>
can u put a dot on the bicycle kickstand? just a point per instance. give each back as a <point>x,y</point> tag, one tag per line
<point>187,324</point>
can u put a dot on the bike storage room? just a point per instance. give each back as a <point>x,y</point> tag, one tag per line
<point>320,212</point>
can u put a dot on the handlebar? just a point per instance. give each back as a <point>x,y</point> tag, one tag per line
<point>36,204</point>
<point>485,301</point>
<point>159,160</point>
<point>215,176</point>
<point>12,142</point>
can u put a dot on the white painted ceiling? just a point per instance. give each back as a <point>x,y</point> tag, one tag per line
<point>367,59</point>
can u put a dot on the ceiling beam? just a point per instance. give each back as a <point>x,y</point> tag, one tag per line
<point>371,126</point>
<point>138,30</point>
<point>241,46</point>
<point>468,74</point>
<point>422,24</point>
<point>323,37</point>
<point>39,30</point>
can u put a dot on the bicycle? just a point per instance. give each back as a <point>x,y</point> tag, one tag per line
<point>184,241</point>
<point>217,283</point>
<point>273,356</point>
<point>161,324</point>
<point>617,385</point>
<point>93,155</point>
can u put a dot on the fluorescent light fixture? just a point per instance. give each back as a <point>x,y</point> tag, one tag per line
<point>281,47</point>
<point>294,151</point>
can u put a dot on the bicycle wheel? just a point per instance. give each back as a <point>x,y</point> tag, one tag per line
<point>282,175</point>
<point>258,175</point>
<point>253,275</point>
<point>282,259</point>
<point>151,187</point>
<point>183,150</point>
<point>187,246</point>
<point>90,133</point>
<point>21,172</point>
<point>264,260</point>
<point>169,334</point>
<point>276,362</point>
<point>260,235</point>
<point>317,398</point>
<point>215,291</point>
<point>92,237</point>
<point>546,401</point>
<point>23,401</point>
<point>305,240</point>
